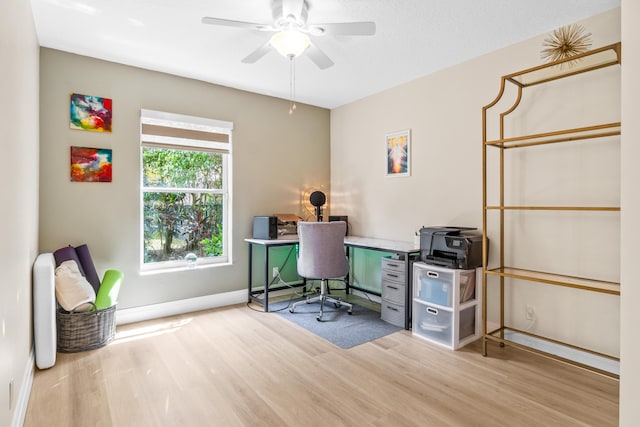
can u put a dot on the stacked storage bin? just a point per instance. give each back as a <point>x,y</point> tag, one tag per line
<point>446,307</point>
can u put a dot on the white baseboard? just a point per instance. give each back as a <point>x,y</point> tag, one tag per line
<point>22,402</point>
<point>155,311</point>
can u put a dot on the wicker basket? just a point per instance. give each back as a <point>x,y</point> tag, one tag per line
<point>83,331</point>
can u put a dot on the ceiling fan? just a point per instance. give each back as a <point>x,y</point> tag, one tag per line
<point>291,32</point>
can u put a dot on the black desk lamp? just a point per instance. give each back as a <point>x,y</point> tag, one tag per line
<point>318,199</point>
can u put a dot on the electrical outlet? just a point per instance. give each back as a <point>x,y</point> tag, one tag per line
<point>530,312</point>
<point>276,272</point>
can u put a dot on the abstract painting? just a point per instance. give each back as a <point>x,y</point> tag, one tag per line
<point>90,164</point>
<point>398,147</point>
<point>90,113</point>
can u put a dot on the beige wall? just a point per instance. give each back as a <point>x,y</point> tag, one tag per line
<point>275,157</point>
<point>18,196</point>
<point>630,315</point>
<point>443,111</point>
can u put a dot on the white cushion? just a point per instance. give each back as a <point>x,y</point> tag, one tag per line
<point>73,291</point>
<point>44,310</point>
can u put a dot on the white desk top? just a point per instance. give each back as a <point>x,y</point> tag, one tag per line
<point>381,244</point>
<point>352,241</point>
<point>286,239</point>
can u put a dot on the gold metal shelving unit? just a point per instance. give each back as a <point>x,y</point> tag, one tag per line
<point>582,63</point>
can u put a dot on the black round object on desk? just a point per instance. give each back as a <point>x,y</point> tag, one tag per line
<point>317,199</point>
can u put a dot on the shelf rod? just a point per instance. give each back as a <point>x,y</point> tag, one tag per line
<point>555,208</point>
<point>566,139</point>
<point>616,50</point>
<point>551,356</point>
<point>559,133</point>
<point>574,347</point>
<point>551,340</point>
<point>601,286</point>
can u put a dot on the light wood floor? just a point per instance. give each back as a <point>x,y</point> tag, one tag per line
<point>238,367</point>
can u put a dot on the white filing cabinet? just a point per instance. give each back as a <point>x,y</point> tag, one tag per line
<point>394,291</point>
<point>446,304</point>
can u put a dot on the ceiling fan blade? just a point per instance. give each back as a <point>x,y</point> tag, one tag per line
<point>258,53</point>
<point>344,29</point>
<point>297,8</point>
<point>237,24</point>
<point>318,57</point>
<point>276,10</point>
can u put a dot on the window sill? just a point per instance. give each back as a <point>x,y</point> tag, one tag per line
<point>152,270</point>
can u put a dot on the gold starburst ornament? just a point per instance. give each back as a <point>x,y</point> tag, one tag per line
<point>565,42</point>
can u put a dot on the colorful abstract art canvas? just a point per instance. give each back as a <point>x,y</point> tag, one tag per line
<point>90,164</point>
<point>91,113</point>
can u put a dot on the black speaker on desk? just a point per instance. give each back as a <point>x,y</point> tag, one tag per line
<point>265,227</point>
<point>340,218</point>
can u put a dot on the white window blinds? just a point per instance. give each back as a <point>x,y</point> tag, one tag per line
<point>168,130</point>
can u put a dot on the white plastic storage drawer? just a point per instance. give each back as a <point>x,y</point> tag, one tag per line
<point>392,313</point>
<point>433,323</point>
<point>394,292</point>
<point>437,324</point>
<point>436,286</point>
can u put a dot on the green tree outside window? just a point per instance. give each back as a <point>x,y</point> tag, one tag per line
<point>183,203</point>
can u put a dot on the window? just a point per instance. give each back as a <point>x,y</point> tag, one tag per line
<point>185,195</point>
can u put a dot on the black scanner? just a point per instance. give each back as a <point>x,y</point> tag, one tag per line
<point>451,247</point>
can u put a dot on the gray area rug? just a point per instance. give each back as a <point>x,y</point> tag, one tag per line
<point>337,325</point>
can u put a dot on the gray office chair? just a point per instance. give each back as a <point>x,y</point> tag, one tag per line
<point>321,256</point>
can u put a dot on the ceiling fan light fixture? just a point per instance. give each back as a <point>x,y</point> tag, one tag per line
<point>290,42</point>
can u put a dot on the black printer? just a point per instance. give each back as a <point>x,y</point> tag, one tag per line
<point>451,247</point>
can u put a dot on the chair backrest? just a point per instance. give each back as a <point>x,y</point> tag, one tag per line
<point>321,254</point>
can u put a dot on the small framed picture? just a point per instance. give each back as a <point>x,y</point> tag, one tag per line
<point>92,113</point>
<point>91,164</point>
<point>398,148</point>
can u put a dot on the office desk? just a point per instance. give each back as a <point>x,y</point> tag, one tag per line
<point>286,240</point>
<point>405,250</point>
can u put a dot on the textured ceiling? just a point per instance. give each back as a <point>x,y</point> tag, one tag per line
<point>413,38</point>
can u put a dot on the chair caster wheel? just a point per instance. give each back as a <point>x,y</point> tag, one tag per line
<point>349,312</point>
<point>291,309</point>
<point>319,318</point>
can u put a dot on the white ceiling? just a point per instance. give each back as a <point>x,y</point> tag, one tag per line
<point>413,38</point>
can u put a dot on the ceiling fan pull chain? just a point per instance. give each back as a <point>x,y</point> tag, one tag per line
<point>292,84</point>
